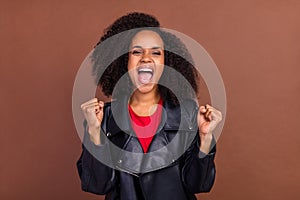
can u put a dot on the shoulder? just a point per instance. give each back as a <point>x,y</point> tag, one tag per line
<point>189,105</point>
<point>185,107</point>
<point>189,110</point>
<point>181,116</point>
<point>114,108</point>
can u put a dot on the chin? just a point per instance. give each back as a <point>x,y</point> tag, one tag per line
<point>146,88</point>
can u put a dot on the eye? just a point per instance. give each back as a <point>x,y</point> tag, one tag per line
<point>157,53</point>
<point>136,52</point>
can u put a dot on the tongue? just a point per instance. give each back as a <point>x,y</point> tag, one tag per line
<point>144,77</point>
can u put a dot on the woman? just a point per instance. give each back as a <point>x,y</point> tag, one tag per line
<point>145,117</point>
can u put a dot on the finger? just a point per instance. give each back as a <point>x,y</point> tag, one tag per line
<point>97,109</point>
<point>217,115</point>
<point>207,106</point>
<point>90,110</point>
<point>90,105</point>
<point>99,114</point>
<point>214,109</point>
<point>89,102</point>
<point>201,119</point>
<point>101,104</point>
<point>202,109</point>
<point>208,114</point>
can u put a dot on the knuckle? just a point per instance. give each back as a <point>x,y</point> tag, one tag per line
<point>89,109</point>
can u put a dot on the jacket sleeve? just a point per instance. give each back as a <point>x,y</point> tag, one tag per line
<point>199,171</point>
<point>95,176</point>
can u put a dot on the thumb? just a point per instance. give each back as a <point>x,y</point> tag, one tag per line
<point>99,114</point>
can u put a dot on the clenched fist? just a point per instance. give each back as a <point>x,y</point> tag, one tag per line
<point>208,119</point>
<point>93,113</point>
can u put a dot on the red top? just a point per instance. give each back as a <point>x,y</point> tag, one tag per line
<point>145,127</point>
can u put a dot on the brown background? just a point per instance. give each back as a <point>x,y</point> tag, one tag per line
<point>254,43</point>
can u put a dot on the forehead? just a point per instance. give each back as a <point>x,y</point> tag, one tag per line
<point>147,39</point>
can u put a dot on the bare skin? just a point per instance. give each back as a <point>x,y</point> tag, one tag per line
<point>146,51</point>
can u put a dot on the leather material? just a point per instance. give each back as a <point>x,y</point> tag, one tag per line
<point>172,169</point>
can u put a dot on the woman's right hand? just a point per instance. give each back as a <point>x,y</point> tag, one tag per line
<point>93,113</point>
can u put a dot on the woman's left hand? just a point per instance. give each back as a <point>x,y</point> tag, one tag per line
<point>208,119</point>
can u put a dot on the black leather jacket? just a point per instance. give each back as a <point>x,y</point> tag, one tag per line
<point>163,175</point>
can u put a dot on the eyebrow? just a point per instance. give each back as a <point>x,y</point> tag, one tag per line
<point>140,47</point>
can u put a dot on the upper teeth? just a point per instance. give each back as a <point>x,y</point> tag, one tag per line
<point>145,70</point>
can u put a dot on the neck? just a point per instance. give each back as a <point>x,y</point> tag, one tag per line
<point>145,99</point>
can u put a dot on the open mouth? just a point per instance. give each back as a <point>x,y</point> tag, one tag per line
<point>145,74</point>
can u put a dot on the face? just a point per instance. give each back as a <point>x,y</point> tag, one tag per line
<point>146,60</point>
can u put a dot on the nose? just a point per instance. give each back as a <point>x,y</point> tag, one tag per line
<point>146,57</point>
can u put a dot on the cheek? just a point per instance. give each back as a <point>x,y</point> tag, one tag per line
<point>131,62</point>
<point>161,64</point>
<point>161,69</point>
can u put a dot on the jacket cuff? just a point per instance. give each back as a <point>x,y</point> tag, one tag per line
<point>99,152</point>
<point>211,152</point>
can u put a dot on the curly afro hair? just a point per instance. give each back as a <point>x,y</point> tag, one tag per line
<point>109,66</point>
